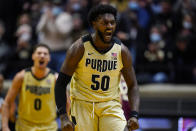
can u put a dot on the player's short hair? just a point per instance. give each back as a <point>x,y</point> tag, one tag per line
<point>41,45</point>
<point>101,9</point>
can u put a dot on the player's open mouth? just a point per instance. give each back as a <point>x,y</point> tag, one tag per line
<point>108,34</point>
<point>41,62</point>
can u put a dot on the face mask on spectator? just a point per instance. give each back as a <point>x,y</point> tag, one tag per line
<point>155,37</point>
<point>157,9</point>
<point>56,11</point>
<point>76,7</point>
<point>133,5</point>
<point>187,25</point>
<point>44,9</point>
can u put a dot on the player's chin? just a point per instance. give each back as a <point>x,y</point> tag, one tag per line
<point>108,37</point>
<point>42,66</point>
<point>107,40</point>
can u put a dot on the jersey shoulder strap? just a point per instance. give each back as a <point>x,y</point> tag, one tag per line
<point>28,69</point>
<point>86,38</point>
<point>116,40</point>
<point>52,72</point>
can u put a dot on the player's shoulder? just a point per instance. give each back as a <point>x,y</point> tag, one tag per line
<point>86,37</point>
<point>27,69</point>
<point>20,75</point>
<point>53,72</point>
<point>124,49</point>
<point>78,44</point>
<point>76,50</point>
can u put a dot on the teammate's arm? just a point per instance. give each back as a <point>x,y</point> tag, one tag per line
<point>133,90</point>
<point>73,57</point>
<point>10,99</point>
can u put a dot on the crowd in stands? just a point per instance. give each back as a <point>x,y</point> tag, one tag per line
<point>161,34</point>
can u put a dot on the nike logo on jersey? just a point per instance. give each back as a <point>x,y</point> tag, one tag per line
<point>90,53</point>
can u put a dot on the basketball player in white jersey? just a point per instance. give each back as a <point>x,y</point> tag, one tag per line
<point>94,65</point>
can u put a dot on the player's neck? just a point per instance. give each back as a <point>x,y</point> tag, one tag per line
<point>40,73</point>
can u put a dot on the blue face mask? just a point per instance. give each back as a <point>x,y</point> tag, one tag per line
<point>187,25</point>
<point>133,5</point>
<point>155,37</point>
<point>157,9</point>
<point>56,11</point>
<point>44,9</point>
<point>76,7</point>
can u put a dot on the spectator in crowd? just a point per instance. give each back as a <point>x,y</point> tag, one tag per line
<point>21,56</point>
<point>5,53</point>
<point>130,32</point>
<point>187,26</point>
<point>74,6</point>
<point>183,60</point>
<point>185,6</point>
<point>54,29</point>
<point>80,7</point>
<point>141,10</point>
<point>23,35</point>
<point>121,5</point>
<point>9,12</point>
<point>35,15</point>
<point>155,58</point>
<point>185,50</point>
<point>78,27</point>
<point>162,14</point>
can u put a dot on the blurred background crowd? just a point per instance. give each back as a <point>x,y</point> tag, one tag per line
<point>159,33</point>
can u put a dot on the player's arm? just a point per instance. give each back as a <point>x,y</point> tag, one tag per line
<point>10,99</point>
<point>73,56</point>
<point>68,95</point>
<point>133,90</point>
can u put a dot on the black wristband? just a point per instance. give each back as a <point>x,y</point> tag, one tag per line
<point>135,114</point>
<point>60,92</point>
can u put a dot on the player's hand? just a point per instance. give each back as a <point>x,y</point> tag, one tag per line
<point>132,124</point>
<point>66,124</point>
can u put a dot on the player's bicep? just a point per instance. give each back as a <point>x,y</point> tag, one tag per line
<point>128,71</point>
<point>73,56</point>
<point>15,88</point>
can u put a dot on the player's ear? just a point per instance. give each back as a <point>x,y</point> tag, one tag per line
<point>49,58</point>
<point>33,56</point>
